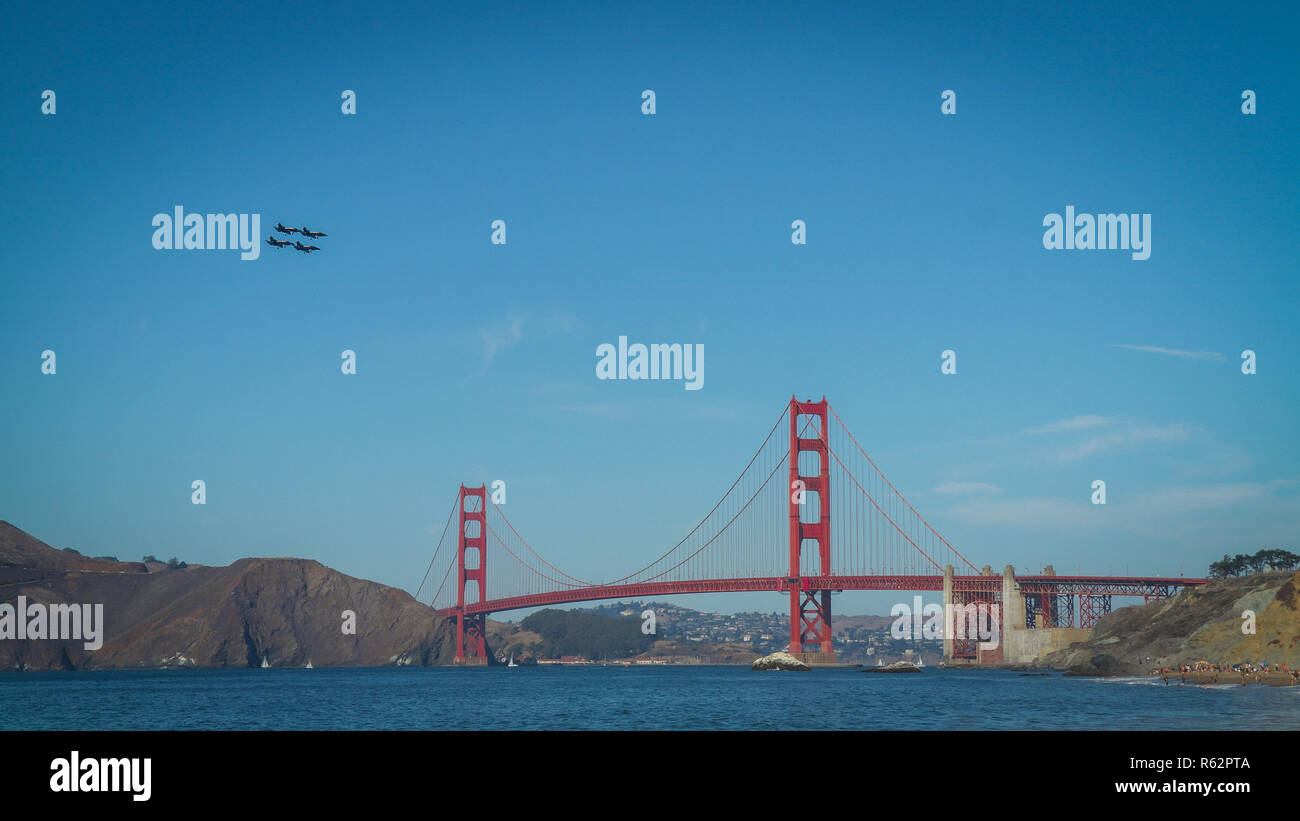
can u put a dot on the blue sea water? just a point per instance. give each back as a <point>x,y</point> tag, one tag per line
<point>618,698</point>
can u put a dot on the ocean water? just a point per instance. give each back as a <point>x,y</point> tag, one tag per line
<point>618,698</point>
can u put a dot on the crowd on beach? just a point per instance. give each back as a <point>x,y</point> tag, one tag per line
<point>1248,671</point>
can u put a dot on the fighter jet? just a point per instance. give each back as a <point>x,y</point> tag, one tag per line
<point>284,229</point>
<point>309,233</point>
<point>306,249</point>
<point>278,243</point>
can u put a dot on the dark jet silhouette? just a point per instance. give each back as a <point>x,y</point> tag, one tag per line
<point>309,233</point>
<point>278,243</point>
<point>284,229</point>
<point>306,249</point>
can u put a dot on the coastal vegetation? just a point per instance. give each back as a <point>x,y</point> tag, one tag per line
<point>576,633</point>
<point>1264,560</point>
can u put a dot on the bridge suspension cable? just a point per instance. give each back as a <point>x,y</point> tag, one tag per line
<point>901,515</point>
<point>746,535</point>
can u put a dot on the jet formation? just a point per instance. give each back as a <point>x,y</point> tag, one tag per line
<point>289,231</point>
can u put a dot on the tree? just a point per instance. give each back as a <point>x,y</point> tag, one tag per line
<point>1222,569</point>
<point>154,559</point>
<point>1241,564</point>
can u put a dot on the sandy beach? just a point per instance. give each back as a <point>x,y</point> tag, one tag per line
<point>1273,678</point>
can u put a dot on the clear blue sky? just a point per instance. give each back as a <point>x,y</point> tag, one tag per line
<point>476,362</point>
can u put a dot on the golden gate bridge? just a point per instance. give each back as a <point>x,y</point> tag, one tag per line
<point>772,530</point>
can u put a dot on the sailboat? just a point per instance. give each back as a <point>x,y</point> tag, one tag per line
<point>512,661</point>
<point>265,663</point>
<point>920,662</point>
<point>309,667</point>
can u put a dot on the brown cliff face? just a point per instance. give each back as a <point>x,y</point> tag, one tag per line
<point>287,612</point>
<point>1200,623</point>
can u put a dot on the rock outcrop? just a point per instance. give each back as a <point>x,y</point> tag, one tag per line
<point>1200,623</point>
<point>779,661</point>
<point>896,667</point>
<point>286,612</point>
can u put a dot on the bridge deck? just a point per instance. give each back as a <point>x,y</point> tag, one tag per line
<point>1092,585</point>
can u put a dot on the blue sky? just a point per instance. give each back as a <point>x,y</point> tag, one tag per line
<point>476,362</point>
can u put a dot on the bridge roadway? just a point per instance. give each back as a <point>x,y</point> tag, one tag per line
<point>1146,587</point>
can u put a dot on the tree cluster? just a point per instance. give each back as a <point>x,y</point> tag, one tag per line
<point>572,633</point>
<point>1241,564</point>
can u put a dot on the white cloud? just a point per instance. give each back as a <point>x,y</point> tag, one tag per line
<point>966,488</point>
<point>1210,355</point>
<point>1124,438</point>
<point>1073,423</point>
<point>1208,497</point>
<point>1051,514</point>
<point>499,338</point>
<point>1156,512</point>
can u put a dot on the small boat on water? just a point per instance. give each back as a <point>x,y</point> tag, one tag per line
<point>309,667</point>
<point>512,661</point>
<point>265,663</point>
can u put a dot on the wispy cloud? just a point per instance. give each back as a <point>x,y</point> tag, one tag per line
<point>496,339</point>
<point>504,335</point>
<point>1156,511</point>
<point>1210,355</point>
<point>1052,514</point>
<point>1124,438</point>
<point>1209,497</point>
<point>967,488</point>
<point>1071,424</point>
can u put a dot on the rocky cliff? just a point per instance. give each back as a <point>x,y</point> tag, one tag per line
<point>1199,623</point>
<point>286,612</point>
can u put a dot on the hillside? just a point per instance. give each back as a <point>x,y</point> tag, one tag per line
<point>286,611</point>
<point>1198,623</point>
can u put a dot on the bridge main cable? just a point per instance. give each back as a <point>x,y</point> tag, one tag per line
<point>900,496</point>
<point>703,521</point>
<point>451,514</point>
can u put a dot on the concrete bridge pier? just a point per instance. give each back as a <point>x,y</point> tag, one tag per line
<point>1020,644</point>
<point>947,608</point>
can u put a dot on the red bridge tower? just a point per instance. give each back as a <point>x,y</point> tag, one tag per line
<point>471,630</point>
<point>810,607</point>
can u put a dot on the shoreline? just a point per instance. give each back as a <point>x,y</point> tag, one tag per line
<point>1273,678</point>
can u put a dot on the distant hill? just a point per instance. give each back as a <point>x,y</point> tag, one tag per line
<point>286,611</point>
<point>685,632</point>
<point>845,623</point>
<point>622,609</point>
<point>581,633</point>
<point>22,556</point>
